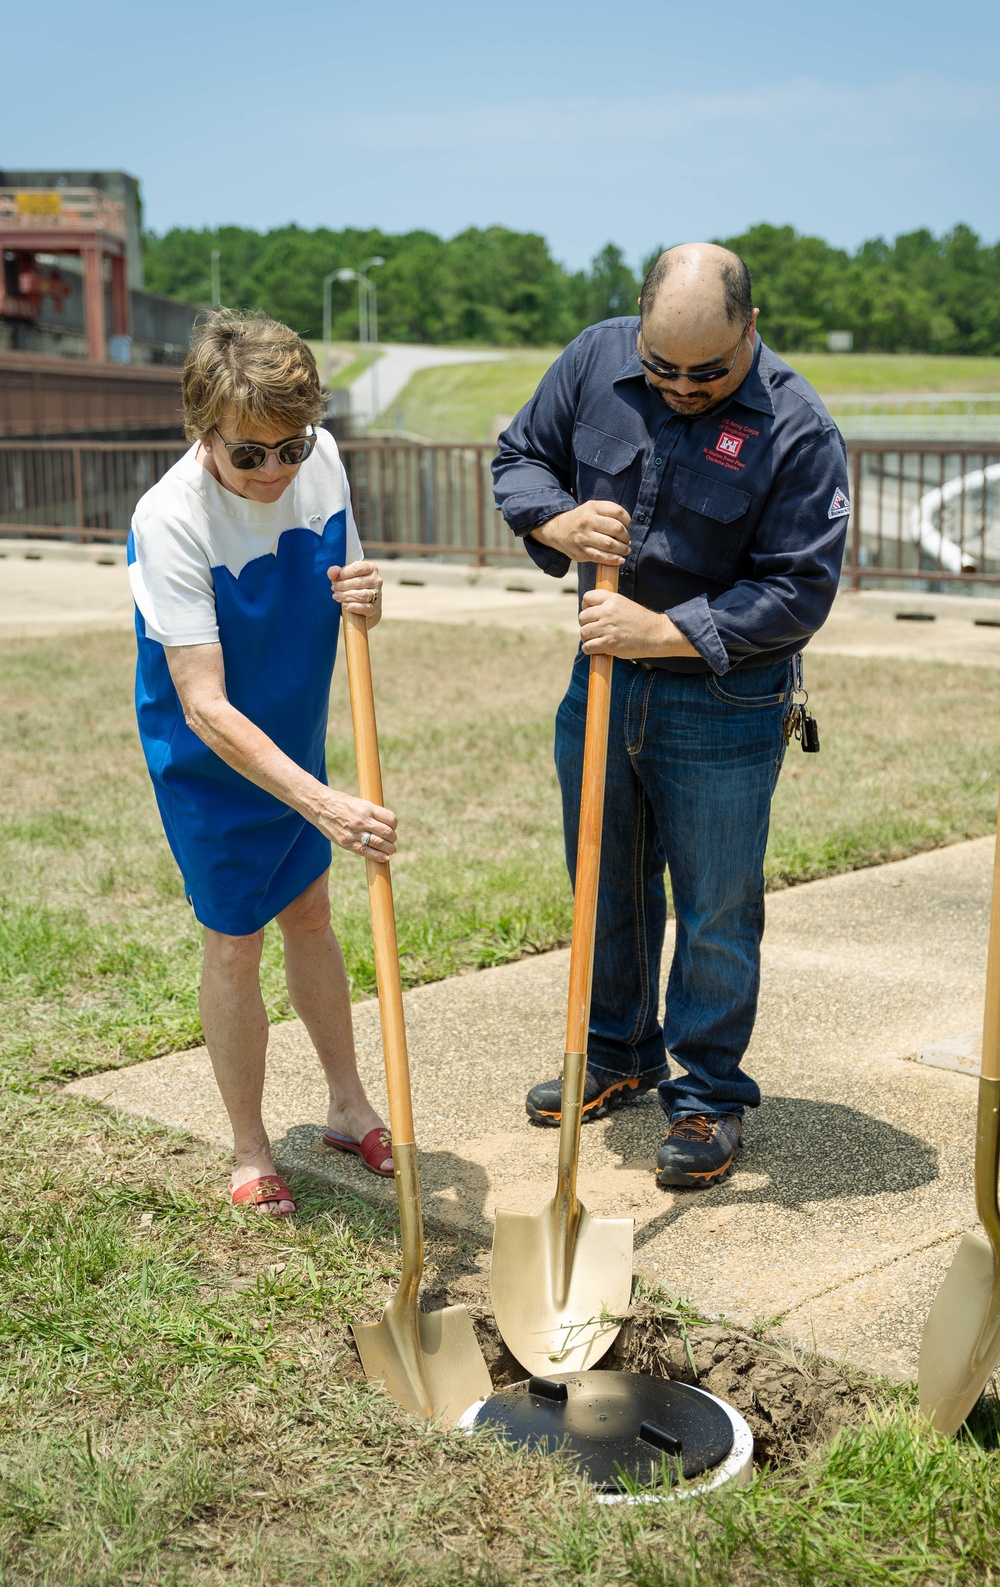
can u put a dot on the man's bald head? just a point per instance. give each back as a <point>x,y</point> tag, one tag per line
<point>702,279</point>
<point>696,301</point>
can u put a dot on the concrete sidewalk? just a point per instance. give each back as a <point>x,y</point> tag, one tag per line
<point>846,1206</point>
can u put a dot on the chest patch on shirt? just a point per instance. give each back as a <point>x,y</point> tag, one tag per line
<point>726,451</point>
<point>840,507</point>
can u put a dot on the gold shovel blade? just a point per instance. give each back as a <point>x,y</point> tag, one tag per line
<point>546,1333</point>
<point>443,1379</point>
<point>960,1349</point>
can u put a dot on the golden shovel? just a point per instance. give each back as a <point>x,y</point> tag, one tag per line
<point>960,1349</point>
<point>430,1362</point>
<point>561,1280</point>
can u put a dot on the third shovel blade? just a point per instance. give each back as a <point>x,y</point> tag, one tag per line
<point>960,1348</point>
<point>546,1333</point>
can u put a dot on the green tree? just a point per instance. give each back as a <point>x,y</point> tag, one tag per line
<point>795,283</point>
<point>607,290</point>
<point>918,293</point>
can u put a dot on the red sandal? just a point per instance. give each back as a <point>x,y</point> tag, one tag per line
<point>374,1149</point>
<point>263,1192</point>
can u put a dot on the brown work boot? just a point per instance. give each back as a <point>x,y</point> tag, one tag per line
<point>699,1150</point>
<point>544,1101</point>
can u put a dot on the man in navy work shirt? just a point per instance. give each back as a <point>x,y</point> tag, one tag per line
<point>679,447</point>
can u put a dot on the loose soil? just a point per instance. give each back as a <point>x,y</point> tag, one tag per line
<point>790,1401</point>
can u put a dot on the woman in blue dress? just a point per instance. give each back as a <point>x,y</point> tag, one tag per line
<point>241,558</point>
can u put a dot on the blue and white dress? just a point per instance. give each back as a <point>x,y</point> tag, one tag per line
<point>208,566</point>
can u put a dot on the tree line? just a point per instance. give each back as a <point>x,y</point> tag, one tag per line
<point>918,293</point>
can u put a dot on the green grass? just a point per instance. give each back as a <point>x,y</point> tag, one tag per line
<point>179,1402</point>
<point>344,359</point>
<point>835,374</point>
<point>904,766</point>
<point>470,402</point>
<point>99,954</point>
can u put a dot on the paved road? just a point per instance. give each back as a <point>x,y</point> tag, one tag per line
<point>44,592</point>
<point>374,391</point>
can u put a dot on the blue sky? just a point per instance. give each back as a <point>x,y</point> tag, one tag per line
<point>641,121</point>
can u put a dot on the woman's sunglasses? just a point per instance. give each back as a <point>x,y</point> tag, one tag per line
<point>246,455</point>
<point>700,376</point>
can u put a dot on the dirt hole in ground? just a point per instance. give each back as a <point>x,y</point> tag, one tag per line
<point>788,1400</point>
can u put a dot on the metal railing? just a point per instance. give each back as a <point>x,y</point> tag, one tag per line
<point>83,491</point>
<point>923,511</point>
<point>418,500</point>
<point>916,416</point>
<point>409,499</point>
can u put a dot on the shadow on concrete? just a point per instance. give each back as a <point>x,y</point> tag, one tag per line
<point>810,1151</point>
<point>452,1189</point>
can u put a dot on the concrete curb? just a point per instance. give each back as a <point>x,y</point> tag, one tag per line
<point>61,551</point>
<point>522,577</point>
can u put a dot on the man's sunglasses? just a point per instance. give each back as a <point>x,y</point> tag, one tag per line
<point>700,376</point>
<point>247,455</point>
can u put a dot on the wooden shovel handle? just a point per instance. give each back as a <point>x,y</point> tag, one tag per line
<point>390,988</point>
<point>991,1016</point>
<point>588,852</point>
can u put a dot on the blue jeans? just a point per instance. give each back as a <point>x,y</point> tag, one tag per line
<point>692,764</point>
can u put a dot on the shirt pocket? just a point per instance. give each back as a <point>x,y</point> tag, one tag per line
<point>603,463</point>
<point>705,524</point>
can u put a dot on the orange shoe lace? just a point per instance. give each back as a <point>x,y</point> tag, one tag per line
<point>693,1127</point>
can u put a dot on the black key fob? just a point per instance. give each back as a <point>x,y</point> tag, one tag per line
<point>810,734</point>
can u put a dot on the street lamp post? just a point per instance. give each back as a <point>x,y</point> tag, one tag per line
<point>367,312</point>
<point>328,281</point>
<point>370,264</point>
<point>359,277</point>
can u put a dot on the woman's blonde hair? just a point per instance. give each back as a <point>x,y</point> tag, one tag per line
<point>251,370</point>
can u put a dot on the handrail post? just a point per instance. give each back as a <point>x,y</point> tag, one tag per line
<point>856,525</point>
<point>480,511</point>
<point>78,493</point>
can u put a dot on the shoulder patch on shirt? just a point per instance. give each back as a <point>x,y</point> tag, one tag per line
<point>840,507</point>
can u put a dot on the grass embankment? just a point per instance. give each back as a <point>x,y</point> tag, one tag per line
<point>178,1400</point>
<point>467,402</point>
<point>835,374</point>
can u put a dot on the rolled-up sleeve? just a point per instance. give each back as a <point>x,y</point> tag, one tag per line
<point>533,468</point>
<point>796,558</point>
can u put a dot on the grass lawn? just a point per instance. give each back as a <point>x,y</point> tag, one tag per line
<point>99,953</point>
<point>468,402</point>
<point>464,402</point>
<point>178,1399</point>
<point>876,373</point>
<point>340,362</point>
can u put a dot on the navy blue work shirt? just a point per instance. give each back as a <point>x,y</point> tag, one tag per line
<point>739,515</point>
